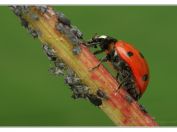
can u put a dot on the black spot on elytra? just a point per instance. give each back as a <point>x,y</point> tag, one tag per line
<point>145,77</point>
<point>142,56</point>
<point>130,53</point>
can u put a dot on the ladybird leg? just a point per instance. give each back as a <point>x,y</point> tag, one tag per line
<point>90,44</point>
<point>117,76</point>
<point>103,59</point>
<point>122,82</point>
<point>98,52</point>
<point>120,85</point>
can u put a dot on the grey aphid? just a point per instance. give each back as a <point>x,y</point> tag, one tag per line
<point>49,52</point>
<point>80,91</point>
<point>34,16</point>
<point>63,19</point>
<point>76,32</point>
<point>24,9</point>
<point>66,30</point>
<point>59,63</point>
<point>56,71</point>
<point>70,72</point>
<point>24,22</point>
<point>74,40</point>
<point>76,50</point>
<point>33,32</point>
<point>71,36</point>
<point>71,80</point>
<point>60,27</point>
<point>17,11</point>
<point>42,8</point>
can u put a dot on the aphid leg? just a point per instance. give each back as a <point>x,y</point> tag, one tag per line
<point>103,59</point>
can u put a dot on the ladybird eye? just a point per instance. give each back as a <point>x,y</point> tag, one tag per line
<point>145,77</point>
<point>141,55</point>
<point>130,53</point>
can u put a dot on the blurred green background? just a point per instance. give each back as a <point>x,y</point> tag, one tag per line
<point>29,95</point>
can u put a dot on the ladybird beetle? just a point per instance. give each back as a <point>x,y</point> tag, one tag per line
<point>133,71</point>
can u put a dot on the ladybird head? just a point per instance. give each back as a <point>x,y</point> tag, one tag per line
<point>105,42</point>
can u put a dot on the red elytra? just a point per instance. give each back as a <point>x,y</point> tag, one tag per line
<point>136,62</point>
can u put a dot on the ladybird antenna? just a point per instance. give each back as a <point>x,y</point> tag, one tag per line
<point>95,34</point>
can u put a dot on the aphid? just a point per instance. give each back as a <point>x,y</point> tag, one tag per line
<point>101,94</point>
<point>24,9</point>
<point>76,32</point>
<point>70,72</point>
<point>56,70</point>
<point>70,80</point>
<point>63,19</point>
<point>131,66</point>
<point>42,8</point>
<point>34,16</point>
<point>24,22</point>
<point>33,32</point>
<point>60,27</point>
<point>12,7</point>
<point>94,99</point>
<point>71,32</point>
<point>79,91</point>
<point>49,52</point>
<point>74,40</point>
<point>66,30</point>
<point>76,50</point>
<point>58,63</point>
<point>16,10</point>
<point>19,10</point>
<point>71,36</point>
